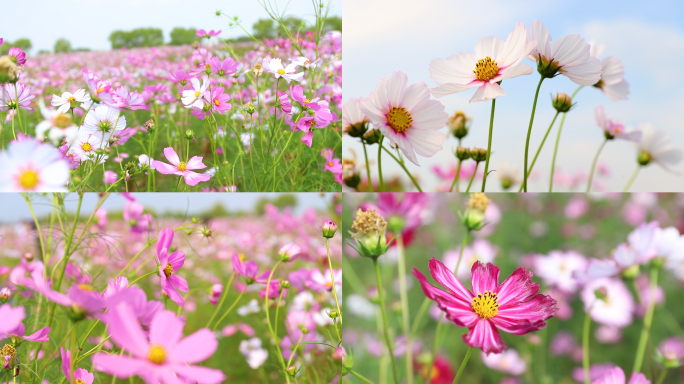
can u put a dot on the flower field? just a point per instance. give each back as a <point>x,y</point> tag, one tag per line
<point>91,296</point>
<point>504,288</point>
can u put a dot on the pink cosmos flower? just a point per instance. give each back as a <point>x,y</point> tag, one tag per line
<point>168,264</point>
<point>332,165</point>
<point>81,374</point>
<point>133,215</point>
<point>617,376</point>
<point>608,302</point>
<point>612,81</point>
<point>568,55</point>
<point>671,350</point>
<point>514,306</point>
<point>14,96</point>
<point>165,356</point>
<point>556,269</point>
<point>285,103</point>
<point>322,282</point>
<point>28,165</point>
<point>352,115</point>
<point>203,33</point>
<point>17,56</point>
<point>99,90</point>
<point>656,146</point>
<point>179,77</point>
<point>406,116</point>
<point>493,61</point>
<point>228,68</point>
<point>110,177</point>
<point>217,102</point>
<point>182,168</point>
<point>122,99</point>
<point>289,252</point>
<point>11,318</point>
<point>613,128</point>
<point>249,270</point>
<point>20,333</point>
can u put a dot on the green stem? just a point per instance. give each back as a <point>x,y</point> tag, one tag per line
<point>477,164</point>
<point>489,145</point>
<point>361,377</point>
<point>74,351</point>
<point>648,320</point>
<point>555,149</point>
<point>384,320</point>
<point>332,278</point>
<point>141,277</point>
<point>365,155</point>
<point>593,165</point>
<point>661,376</point>
<point>230,309</point>
<point>631,179</point>
<point>463,365</point>
<point>401,163</point>
<point>540,147</point>
<point>224,294</point>
<point>403,294</point>
<point>529,133</point>
<point>274,336</point>
<point>382,184</point>
<point>458,172</point>
<point>585,346</point>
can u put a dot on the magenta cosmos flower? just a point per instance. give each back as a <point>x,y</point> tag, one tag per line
<point>163,357</point>
<point>168,264</point>
<point>406,116</point>
<point>613,128</point>
<point>11,318</point>
<point>181,168</point>
<point>493,61</point>
<point>81,376</point>
<point>17,56</point>
<point>134,215</point>
<point>249,270</point>
<point>20,333</point>
<point>513,306</point>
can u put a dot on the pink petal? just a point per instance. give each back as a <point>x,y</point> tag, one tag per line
<point>84,375</point>
<point>444,277</point>
<point>119,366</point>
<point>195,348</point>
<point>193,178</point>
<point>171,155</point>
<point>485,336</point>
<point>166,330</point>
<point>126,331</point>
<point>11,317</point>
<point>516,288</point>
<point>41,335</point>
<point>195,163</point>
<point>484,277</point>
<point>164,244</point>
<point>457,310</point>
<point>179,283</point>
<point>200,374</point>
<point>164,168</point>
<point>177,259</point>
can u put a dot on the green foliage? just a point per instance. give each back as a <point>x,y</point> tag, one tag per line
<point>267,28</point>
<point>62,45</point>
<point>139,37</point>
<point>183,36</point>
<point>264,28</point>
<point>333,24</point>
<point>23,43</point>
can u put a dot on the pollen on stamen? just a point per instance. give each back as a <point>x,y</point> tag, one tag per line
<point>485,305</point>
<point>281,71</point>
<point>399,119</point>
<point>157,355</point>
<point>182,166</point>
<point>486,69</point>
<point>168,270</point>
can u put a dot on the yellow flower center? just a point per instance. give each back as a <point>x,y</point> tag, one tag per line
<point>433,373</point>
<point>182,166</point>
<point>157,355</point>
<point>71,99</point>
<point>307,101</point>
<point>217,102</point>
<point>168,270</point>
<point>79,381</point>
<point>100,90</point>
<point>62,121</point>
<point>28,179</point>
<point>330,163</point>
<point>281,71</point>
<point>399,119</point>
<point>486,69</point>
<point>86,147</point>
<point>8,350</point>
<point>85,287</point>
<point>197,93</point>
<point>485,305</point>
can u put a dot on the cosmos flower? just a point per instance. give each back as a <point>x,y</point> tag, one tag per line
<point>332,165</point>
<point>14,96</point>
<point>69,100</point>
<point>171,283</point>
<point>494,60</point>
<point>608,302</point>
<point>617,376</point>
<point>86,144</point>
<point>134,215</point>
<point>58,126</point>
<point>556,269</point>
<point>104,120</point>
<point>11,318</point>
<point>17,56</point>
<point>179,77</point>
<point>304,62</point>
<point>656,146</point>
<point>164,356</point>
<point>275,66</point>
<point>613,128</point>
<point>354,122</point>
<point>253,352</point>
<point>249,270</point>
<point>321,281</point>
<point>226,68</point>
<point>30,166</point>
<point>194,97</point>
<point>122,99</point>
<point>182,168</point>
<point>612,83</point>
<point>19,333</point>
<point>568,55</point>
<point>203,33</point>
<point>514,306</point>
<point>406,116</point>
<point>508,361</point>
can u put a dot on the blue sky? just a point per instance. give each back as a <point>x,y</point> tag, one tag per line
<point>88,23</point>
<point>14,207</point>
<point>383,36</point>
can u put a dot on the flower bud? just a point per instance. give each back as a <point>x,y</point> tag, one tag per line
<point>562,102</point>
<point>194,220</point>
<point>670,353</point>
<point>206,232</point>
<point>352,181</point>
<point>5,295</point>
<point>396,224</point>
<point>631,272</point>
<point>462,153</point>
<point>478,154</point>
<point>333,314</point>
<point>601,293</point>
<point>358,129</point>
<point>473,217</point>
<point>329,229</point>
<point>372,136</point>
<point>285,284</point>
<point>458,124</point>
<point>292,370</point>
<point>8,70</point>
<point>250,108</point>
<point>28,256</point>
<point>149,125</point>
<point>289,252</point>
<point>189,134</point>
<point>644,158</point>
<point>370,233</point>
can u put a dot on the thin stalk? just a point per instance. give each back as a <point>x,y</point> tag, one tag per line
<point>401,163</point>
<point>143,276</point>
<point>463,365</point>
<point>74,351</point>
<point>229,309</point>
<point>477,164</point>
<point>555,149</point>
<point>489,145</point>
<point>540,147</point>
<point>382,184</point>
<point>648,320</point>
<point>268,321</point>
<point>332,278</point>
<point>631,179</point>
<point>384,320</point>
<point>458,173</point>
<point>361,377</point>
<point>224,294</point>
<point>529,133</point>
<point>403,294</point>
<point>593,165</point>
<point>661,376</point>
<point>585,347</point>
<point>365,155</point>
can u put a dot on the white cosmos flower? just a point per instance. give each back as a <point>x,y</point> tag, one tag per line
<point>104,120</point>
<point>195,97</point>
<point>302,61</point>
<point>31,166</point>
<point>69,100</point>
<point>253,353</point>
<point>569,55</point>
<point>494,60</point>
<point>615,305</point>
<point>146,160</point>
<point>85,145</point>
<point>275,66</point>
<point>612,81</point>
<point>656,145</point>
<point>57,125</point>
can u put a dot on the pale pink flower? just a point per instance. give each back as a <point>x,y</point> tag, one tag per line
<point>30,166</point>
<point>406,116</point>
<point>612,81</point>
<point>182,168</point>
<point>613,128</point>
<point>494,60</point>
<point>508,361</point>
<point>608,302</point>
<point>11,317</point>
<point>656,145</point>
<point>275,66</point>
<point>617,376</point>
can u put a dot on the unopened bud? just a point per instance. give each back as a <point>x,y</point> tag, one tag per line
<point>462,153</point>
<point>28,256</point>
<point>372,136</point>
<point>329,229</point>
<point>249,108</point>
<point>292,370</point>
<point>150,126</point>
<point>5,295</point>
<point>478,154</point>
<point>644,158</point>
<point>189,134</point>
<point>333,314</point>
<point>285,284</point>
<point>562,102</point>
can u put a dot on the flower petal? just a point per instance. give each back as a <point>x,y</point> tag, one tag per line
<point>485,336</point>
<point>484,277</point>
